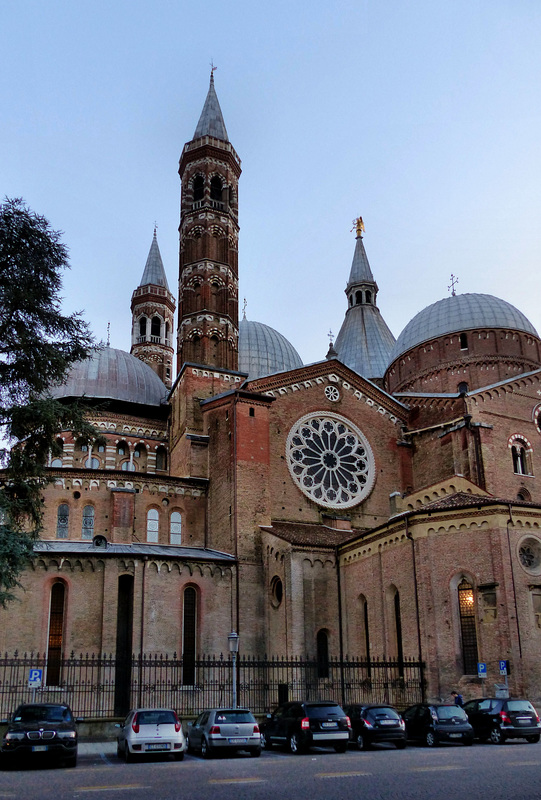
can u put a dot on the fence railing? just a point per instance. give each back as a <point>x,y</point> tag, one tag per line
<point>97,686</point>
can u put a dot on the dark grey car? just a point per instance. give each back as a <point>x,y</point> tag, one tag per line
<point>495,719</point>
<point>41,730</point>
<point>299,726</point>
<point>222,730</point>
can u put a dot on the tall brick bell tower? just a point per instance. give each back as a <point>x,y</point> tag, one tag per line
<point>209,169</point>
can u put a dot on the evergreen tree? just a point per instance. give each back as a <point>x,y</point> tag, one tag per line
<point>38,344</point>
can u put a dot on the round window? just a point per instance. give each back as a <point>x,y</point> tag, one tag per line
<point>529,554</point>
<point>332,393</point>
<point>277,591</point>
<point>330,460</point>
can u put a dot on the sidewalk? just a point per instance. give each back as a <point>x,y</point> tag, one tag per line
<point>97,748</point>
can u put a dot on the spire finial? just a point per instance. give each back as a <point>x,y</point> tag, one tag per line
<point>451,288</point>
<point>358,224</point>
<point>212,70</point>
<point>331,337</point>
<point>108,334</point>
<point>155,228</point>
<point>244,309</point>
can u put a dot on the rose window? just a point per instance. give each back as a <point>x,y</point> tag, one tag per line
<point>330,460</point>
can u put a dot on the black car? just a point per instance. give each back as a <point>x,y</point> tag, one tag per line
<point>299,726</point>
<point>437,723</point>
<point>497,719</point>
<point>41,730</point>
<point>372,724</point>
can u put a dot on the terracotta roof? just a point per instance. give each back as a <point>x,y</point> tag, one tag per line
<point>466,500</point>
<point>300,533</point>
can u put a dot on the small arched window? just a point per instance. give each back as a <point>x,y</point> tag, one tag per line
<point>56,633</point>
<point>88,523</point>
<point>57,462</point>
<point>156,327</point>
<point>521,455</point>
<point>198,188</point>
<point>127,466</point>
<point>143,326</point>
<point>161,458</point>
<point>358,298</point>
<point>463,341</point>
<point>140,451</point>
<point>368,297</point>
<point>92,463</point>
<point>175,528</point>
<point>153,521</point>
<point>62,521</point>
<point>189,635</point>
<point>122,449</point>
<point>216,187</point>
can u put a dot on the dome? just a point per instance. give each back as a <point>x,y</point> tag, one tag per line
<point>111,374</point>
<point>262,350</point>
<point>459,313</point>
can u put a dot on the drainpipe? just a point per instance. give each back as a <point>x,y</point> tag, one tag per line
<point>142,634</point>
<point>510,521</point>
<point>419,645</point>
<point>340,631</point>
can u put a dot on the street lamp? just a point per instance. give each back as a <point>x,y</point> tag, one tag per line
<point>233,641</point>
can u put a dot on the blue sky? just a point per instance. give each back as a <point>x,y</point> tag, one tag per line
<point>421,116</point>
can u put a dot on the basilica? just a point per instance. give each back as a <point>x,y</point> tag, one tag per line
<point>383,502</point>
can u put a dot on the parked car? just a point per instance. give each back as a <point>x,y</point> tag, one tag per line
<point>36,730</point>
<point>150,731</point>
<point>372,724</point>
<point>497,719</point>
<point>436,723</point>
<point>224,730</point>
<point>299,726</point>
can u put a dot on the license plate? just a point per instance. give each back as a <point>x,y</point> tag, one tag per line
<point>455,735</point>
<point>329,724</point>
<point>524,721</point>
<point>237,740</point>
<point>39,748</point>
<point>159,746</point>
<point>387,722</point>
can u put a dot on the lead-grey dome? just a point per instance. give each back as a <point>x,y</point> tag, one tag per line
<point>262,350</point>
<point>111,374</point>
<point>458,313</point>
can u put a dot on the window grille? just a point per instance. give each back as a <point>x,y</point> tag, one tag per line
<point>466,605</point>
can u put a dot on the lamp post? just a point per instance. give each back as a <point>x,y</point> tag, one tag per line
<point>233,641</point>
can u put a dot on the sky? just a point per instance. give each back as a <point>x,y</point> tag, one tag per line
<point>422,116</point>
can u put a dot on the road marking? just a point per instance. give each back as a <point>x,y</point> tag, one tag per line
<point>342,774</point>
<point>442,768</point>
<point>121,788</point>
<point>237,780</point>
<point>523,764</point>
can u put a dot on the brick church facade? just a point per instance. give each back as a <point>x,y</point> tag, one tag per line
<point>383,502</point>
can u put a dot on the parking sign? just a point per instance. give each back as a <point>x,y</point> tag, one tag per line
<point>481,669</point>
<point>34,678</point>
<point>503,667</point>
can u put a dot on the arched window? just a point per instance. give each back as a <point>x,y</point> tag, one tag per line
<point>100,445</point>
<point>398,633</point>
<point>143,327</point>
<point>368,297</point>
<point>189,635</point>
<point>140,453</point>
<point>216,187</point>
<point>156,327</point>
<point>153,520</point>
<point>88,523</point>
<point>122,449</point>
<point>468,626</point>
<point>358,298</point>
<point>198,188</point>
<point>127,466</point>
<point>62,521</point>
<point>92,463</point>
<point>463,341</point>
<point>175,527</point>
<point>56,456</point>
<point>161,458</point>
<point>521,461</point>
<point>322,646</point>
<point>56,633</point>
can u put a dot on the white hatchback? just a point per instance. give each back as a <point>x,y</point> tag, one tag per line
<point>151,731</point>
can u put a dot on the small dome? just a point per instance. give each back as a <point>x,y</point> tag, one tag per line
<point>459,313</point>
<point>111,374</point>
<point>262,350</point>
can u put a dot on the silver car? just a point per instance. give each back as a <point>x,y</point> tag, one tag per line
<point>151,731</point>
<point>220,730</point>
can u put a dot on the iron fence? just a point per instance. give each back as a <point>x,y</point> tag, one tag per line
<point>98,686</point>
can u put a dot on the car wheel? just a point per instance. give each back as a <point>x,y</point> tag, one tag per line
<point>255,752</point>
<point>179,756</point>
<point>341,747</point>
<point>189,748</point>
<point>533,739</point>
<point>430,739</point>
<point>400,745</point>
<point>361,742</point>
<point>468,742</point>
<point>205,749</point>
<point>128,757</point>
<point>119,749</point>
<point>293,744</point>
<point>496,736</point>
<point>71,761</point>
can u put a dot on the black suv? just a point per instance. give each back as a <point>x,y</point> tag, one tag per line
<point>41,729</point>
<point>299,726</point>
<point>372,724</point>
<point>435,723</point>
<point>497,719</point>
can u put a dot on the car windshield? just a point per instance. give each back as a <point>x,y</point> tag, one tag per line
<point>519,705</point>
<point>234,716</point>
<point>324,711</point>
<point>451,712</point>
<point>382,713</point>
<point>42,713</point>
<point>156,717</point>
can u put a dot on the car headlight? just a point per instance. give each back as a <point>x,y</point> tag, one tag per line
<point>67,735</point>
<point>14,736</point>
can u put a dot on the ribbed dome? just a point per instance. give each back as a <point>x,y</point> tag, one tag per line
<point>113,375</point>
<point>458,313</point>
<point>262,350</point>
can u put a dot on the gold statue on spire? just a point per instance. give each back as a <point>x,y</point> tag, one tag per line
<point>358,224</point>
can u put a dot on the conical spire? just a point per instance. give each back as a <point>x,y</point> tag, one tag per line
<point>211,121</point>
<point>360,268</point>
<point>154,272</point>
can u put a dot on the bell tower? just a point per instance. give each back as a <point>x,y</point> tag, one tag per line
<point>209,169</point>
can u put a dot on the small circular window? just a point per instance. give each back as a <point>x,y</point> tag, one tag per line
<point>529,554</point>
<point>332,394</point>
<point>277,591</point>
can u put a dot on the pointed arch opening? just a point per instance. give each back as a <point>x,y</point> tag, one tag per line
<point>189,635</point>
<point>56,633</point>
<point>322,654</point>
<point>468,626</point>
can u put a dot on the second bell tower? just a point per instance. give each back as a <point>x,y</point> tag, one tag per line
<point>209,169</point>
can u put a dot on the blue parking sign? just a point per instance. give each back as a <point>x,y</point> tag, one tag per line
<point>34,678</point>
<point>481,669</point>
<point>503,667</point>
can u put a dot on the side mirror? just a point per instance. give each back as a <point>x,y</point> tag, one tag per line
<point>118,725</point>
<point>269,716</point>
<point>79,719</point>
<point>190,724</point>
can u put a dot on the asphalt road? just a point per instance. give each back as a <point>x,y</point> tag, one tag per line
<point>507,772</point>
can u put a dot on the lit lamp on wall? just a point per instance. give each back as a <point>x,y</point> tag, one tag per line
<point>233,641</point>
